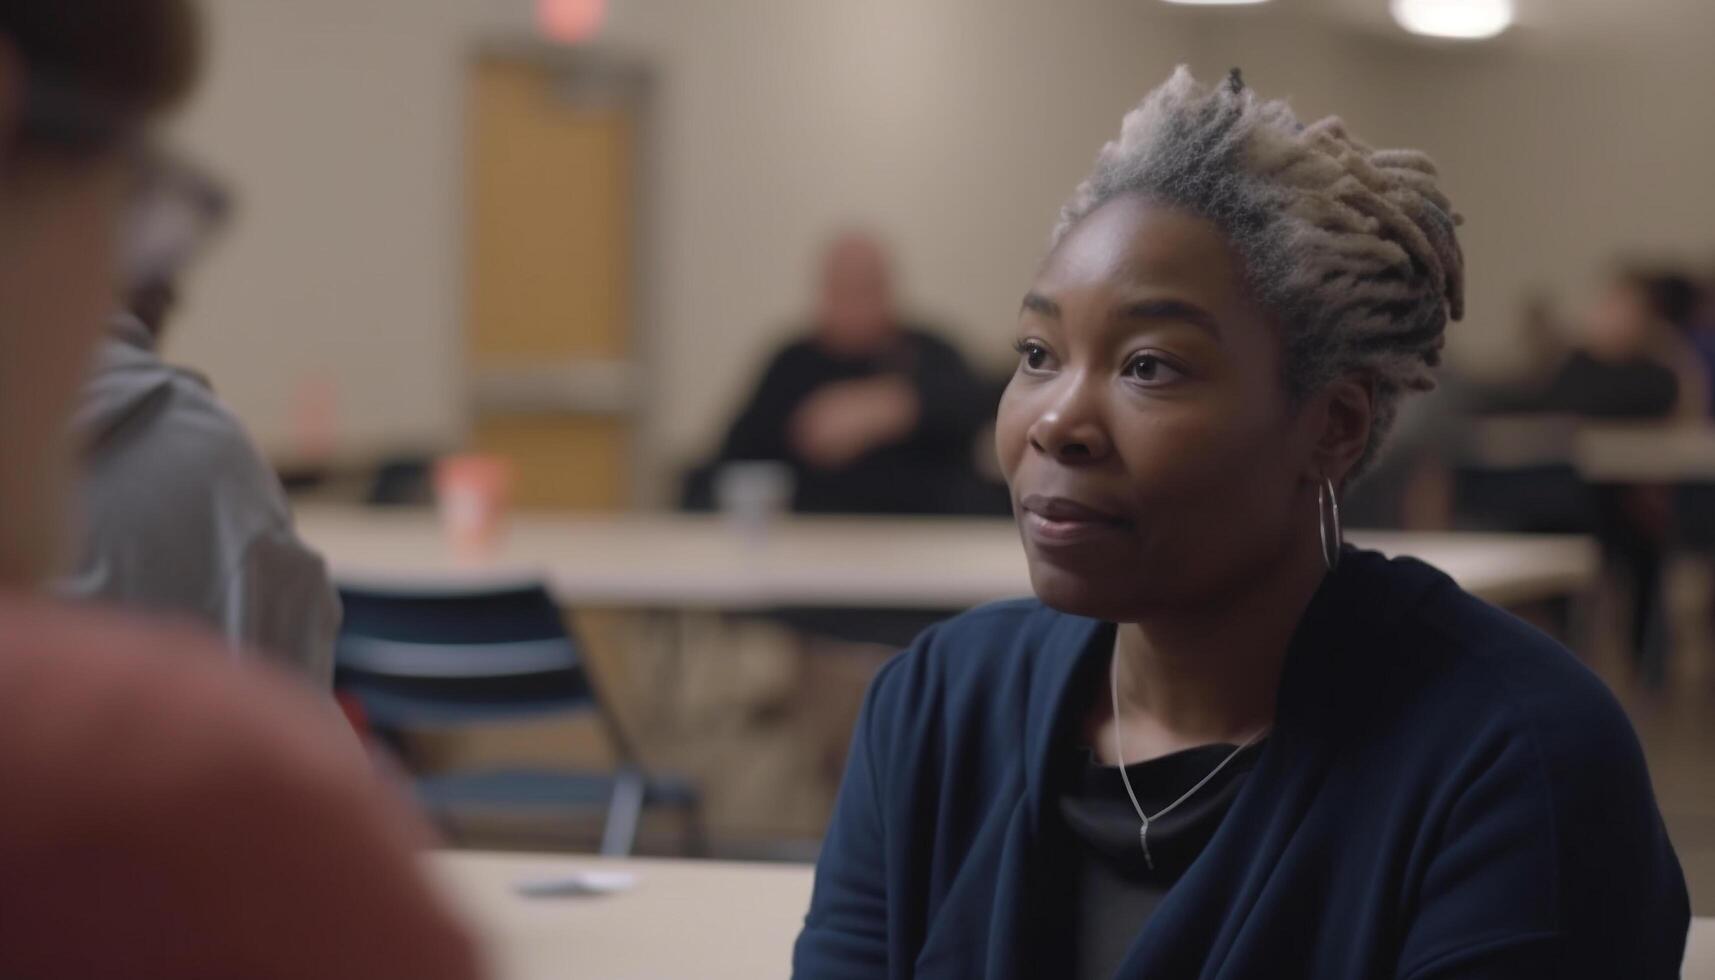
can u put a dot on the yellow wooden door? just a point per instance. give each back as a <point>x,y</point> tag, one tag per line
<point>549,280</point>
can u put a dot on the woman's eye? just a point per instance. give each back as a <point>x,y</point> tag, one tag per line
<point>1031,355</point>
<point>1150,370</point>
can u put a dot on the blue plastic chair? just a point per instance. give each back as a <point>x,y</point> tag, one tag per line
<point>439,659</point>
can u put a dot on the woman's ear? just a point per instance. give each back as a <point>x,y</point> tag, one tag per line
<point>1347,414</point>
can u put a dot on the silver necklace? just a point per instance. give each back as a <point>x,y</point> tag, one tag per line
<point>1119,753</point>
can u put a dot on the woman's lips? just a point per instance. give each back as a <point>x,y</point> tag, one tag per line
<point>1062,521</point>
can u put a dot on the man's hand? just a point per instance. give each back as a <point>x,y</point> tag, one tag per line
<point>841,422</point>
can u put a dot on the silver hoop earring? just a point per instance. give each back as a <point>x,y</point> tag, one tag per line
<point>1328,523</point>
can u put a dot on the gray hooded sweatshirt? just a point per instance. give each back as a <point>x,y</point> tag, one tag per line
<point>181,515</point>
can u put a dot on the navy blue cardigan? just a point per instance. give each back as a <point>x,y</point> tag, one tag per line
<point>1446,793</point>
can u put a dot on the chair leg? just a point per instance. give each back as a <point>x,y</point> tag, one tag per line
<point>696,834</point>
<point>624,810</point>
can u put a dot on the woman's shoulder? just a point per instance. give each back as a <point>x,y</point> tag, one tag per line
<point>45,638</point>
<point>167,689</point>
<point>165,692</point>
<point>1511,658</point>
<point>1453,662</point>
<point>134,737</point>
<point>1537,806</point>
<point>985,660</point>
<point>1000,637</point>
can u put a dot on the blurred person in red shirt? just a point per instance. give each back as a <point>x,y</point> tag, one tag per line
<point>162,814</point>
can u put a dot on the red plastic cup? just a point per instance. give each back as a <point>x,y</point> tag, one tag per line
<point>472,491</point>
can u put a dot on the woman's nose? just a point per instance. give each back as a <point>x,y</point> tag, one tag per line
<point>1070,429</point>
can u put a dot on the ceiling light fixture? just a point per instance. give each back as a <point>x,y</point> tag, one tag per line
<point>1467,20</point>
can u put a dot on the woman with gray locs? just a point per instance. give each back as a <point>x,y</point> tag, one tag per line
<point>1221,743</point>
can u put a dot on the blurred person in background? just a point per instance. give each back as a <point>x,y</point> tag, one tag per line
<point>1635,361</point>
<point>1420,480</point>
<point>1631,360</point>
<point>1542,330</point>
<point>1218,742</point>
<point>180,512</point>
<point>162,814</point>
<point>1690,305</point>
<point>872,413</point>
<point>1694,502</point>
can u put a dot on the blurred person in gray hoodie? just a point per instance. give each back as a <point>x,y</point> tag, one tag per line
<point>180,513</point>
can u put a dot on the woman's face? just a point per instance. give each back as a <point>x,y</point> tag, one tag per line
<point>1146,435</point>
<point>58,225</point>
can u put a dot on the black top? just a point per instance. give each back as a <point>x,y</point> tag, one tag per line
<point>931,470</point>
<point>1114,888</point>
<point>1446,793</point>
<point>1635,389</point>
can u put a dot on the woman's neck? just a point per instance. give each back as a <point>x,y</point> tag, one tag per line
<point>1192,677</point>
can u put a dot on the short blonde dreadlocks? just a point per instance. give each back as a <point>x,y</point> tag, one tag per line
<point>1353,249</point>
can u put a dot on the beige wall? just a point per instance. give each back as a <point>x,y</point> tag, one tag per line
<point>1564,152</point>
<point>955,126</point>
<point>336,120</point>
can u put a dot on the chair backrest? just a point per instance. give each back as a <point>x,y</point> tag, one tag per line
<point>436,658</point>
<point>404,481</point>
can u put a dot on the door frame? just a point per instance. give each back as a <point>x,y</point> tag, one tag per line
<point>605,76</point>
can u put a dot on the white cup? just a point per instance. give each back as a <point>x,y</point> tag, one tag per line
<point>753,494</point>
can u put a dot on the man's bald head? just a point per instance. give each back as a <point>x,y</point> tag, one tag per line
<point>855,312</point>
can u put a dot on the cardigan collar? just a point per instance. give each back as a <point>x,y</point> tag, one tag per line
<point>1206,907</point>
<point>1077,651</point>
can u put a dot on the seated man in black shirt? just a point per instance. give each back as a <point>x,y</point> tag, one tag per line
<point>873,414</point>
<point>1632,361</point>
